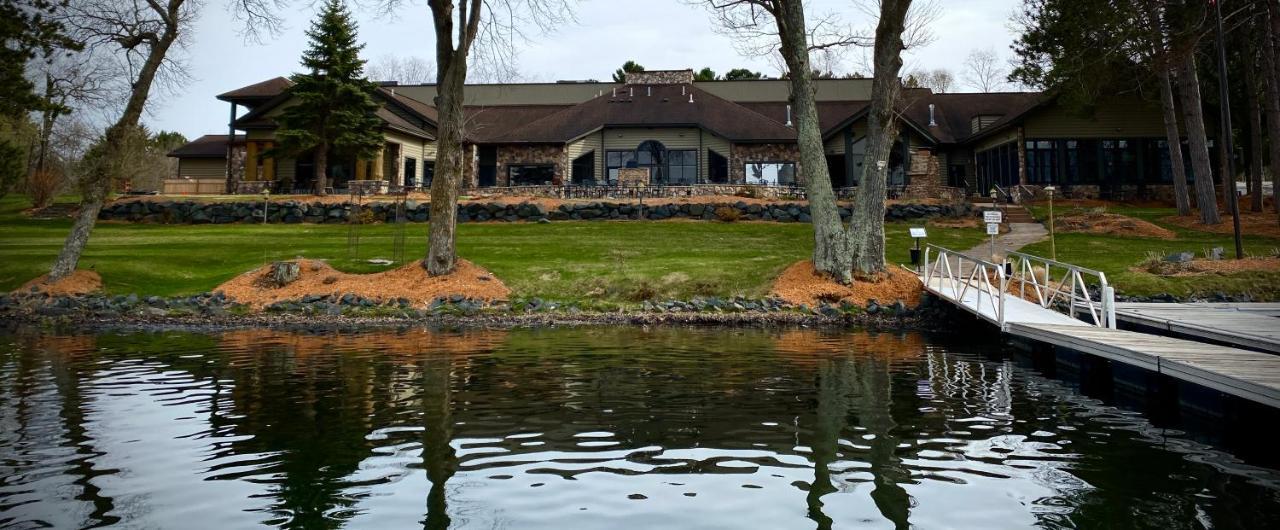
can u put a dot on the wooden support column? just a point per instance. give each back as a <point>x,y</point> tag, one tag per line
<point>379,167</point>
<point>268,163</point>
<point>361,165</point>
<point>251,161</point>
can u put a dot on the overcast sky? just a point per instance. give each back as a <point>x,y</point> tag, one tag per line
<point>659,34</point>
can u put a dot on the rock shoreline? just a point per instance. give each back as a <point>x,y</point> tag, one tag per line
<point>212,312</point>
<point>295,212</point>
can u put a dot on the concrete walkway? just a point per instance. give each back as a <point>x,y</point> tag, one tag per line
<point>1018,236</point>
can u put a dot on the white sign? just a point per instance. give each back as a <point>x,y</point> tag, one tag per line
<point>918,233</point>
<point>993,229</point>
<point>993,216</point>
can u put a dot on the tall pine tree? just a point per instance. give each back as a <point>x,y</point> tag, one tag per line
<point>334,114</point>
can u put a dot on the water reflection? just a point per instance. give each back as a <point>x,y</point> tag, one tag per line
<point>583,428</point>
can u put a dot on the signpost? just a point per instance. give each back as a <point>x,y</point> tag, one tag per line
<point>993,219</point>
<point>917,234</point>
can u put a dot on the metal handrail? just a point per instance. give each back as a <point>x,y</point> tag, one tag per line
<point>977,280</point>
<point>1071,287</point>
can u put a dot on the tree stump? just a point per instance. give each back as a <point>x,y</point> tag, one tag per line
<point>283,273</point>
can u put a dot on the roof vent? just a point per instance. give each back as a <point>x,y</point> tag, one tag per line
<point>788,115</point>
<point>933,122</point>
<point>690,98</point>
<point>648,91</point>
<point>631,92</point>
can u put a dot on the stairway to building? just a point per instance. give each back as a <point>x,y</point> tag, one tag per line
<point>1018,214</point>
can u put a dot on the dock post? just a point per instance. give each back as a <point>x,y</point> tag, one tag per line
<point>1109,306</point>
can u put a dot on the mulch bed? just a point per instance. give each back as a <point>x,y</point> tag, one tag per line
<point>1099,223</point>
<point>800,283</point>
<point>1204,267</point>
<point>1264,224</point>
<point>80,282</point>
<point>410,282</point>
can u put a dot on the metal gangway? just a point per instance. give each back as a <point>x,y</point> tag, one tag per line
<point>1022,288</point>
<point>1067,306</point>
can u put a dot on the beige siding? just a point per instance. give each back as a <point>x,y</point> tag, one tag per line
<point>410,147</point>
<point>1128,119</point>
<point>202,168</point>
<point>286,169</point>
<point>711,142</point>
<point>628,139</point>
<point>586,144</point>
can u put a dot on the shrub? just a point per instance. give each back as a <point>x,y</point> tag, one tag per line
<point>42,187</point>
<point>728,214</point>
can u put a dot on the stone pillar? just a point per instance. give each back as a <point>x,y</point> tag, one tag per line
<point>1022,156</point>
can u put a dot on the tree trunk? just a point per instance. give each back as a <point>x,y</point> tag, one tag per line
<point>1271,52</point>
<point>441,252</point>
<point>1255,139</point>
<point>99,186</point>
<point>867,225</point>
<point>1174,139</point>
<point>1193,116</point>
<point>321,169</point>
<point>831,243</point>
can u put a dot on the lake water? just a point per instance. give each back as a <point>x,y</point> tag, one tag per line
<point>587,428</point>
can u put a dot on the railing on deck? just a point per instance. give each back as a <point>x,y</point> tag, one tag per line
<point>1050,283</point>
<point>962,275</point>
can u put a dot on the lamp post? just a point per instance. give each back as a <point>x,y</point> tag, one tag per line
<point>1224,99</point>
<point>1053,245</point>
<point>266,201</point>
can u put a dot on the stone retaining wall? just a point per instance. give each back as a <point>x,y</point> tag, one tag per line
<point>190,212</point>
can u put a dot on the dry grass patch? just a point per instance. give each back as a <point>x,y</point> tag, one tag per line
<point>1261,224</point>
<point>1201,267</point>
<point>800,283</point>
<point>80,282</point>
<point>410,281</point>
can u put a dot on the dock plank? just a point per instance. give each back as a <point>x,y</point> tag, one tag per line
<point>1252,326</point>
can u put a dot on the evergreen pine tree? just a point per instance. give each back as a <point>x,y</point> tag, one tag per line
<point>335,105</point>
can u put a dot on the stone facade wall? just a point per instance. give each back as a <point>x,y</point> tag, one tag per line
<point>925,179</point>
<point>509,155</point>
<point>661,77</point>
<point>633,176</point>
<point>741,154</point>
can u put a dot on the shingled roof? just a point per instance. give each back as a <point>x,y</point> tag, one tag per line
<point>261,91</point>
<point>207,146</point>
<point>954,112</point>
<point>659,105</point>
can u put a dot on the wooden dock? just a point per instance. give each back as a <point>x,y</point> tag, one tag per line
<point>1250,375</point>
<point>1246,374</point>
<point>1250,326</point>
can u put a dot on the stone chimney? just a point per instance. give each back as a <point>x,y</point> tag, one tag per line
<point>660,77</point>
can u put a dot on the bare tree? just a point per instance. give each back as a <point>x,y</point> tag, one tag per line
<point>1161,57</point>
<point>487,32</point>
<point>68,80</point>
<point>140,36</point>
<point>412,70</point>
<point>1271,56</point>
<point>867,223</point>
<point>939,80</point>
<point>763,26</point>
<point>982,71</point>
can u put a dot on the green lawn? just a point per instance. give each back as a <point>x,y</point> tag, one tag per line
<point>1116,255</point>
<point>612,261</point>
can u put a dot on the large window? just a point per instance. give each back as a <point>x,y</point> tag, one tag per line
<point>771,173</point>
<point>676,167</point>
<point>615,160</point>
<point>410,171</point>
<point>682,168</point>
<point>1119,160</point>
<point>531,174</point>
<point>1042,162</point>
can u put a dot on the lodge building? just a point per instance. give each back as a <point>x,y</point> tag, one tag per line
<point>705,133</point>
